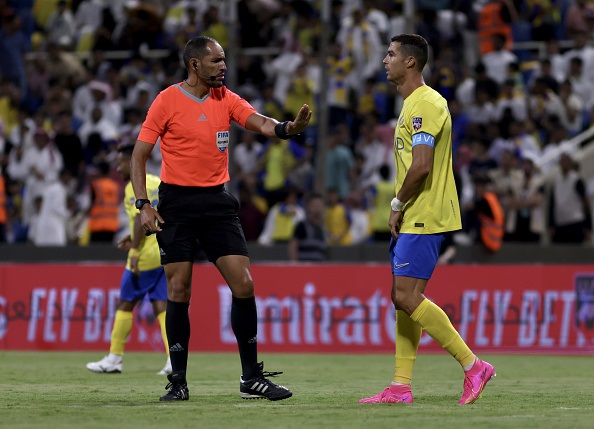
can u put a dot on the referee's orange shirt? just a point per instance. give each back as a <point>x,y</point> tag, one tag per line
<point>194,134</point>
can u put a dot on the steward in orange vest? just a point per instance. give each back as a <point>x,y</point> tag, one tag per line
<point>494,18</point>
<point>103,215</point>
<point>490,215</point>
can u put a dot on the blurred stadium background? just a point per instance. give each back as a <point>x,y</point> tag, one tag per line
<point>76,80</point>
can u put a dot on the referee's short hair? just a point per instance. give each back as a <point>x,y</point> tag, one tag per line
<point>196,48</point>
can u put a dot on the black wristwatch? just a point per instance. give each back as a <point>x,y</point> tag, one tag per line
<point>139,203</point>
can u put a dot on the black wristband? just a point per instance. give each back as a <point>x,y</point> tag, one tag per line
<point>280,130</point>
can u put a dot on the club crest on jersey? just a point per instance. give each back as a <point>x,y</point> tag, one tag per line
<point>222,140</point>
<point>417,124</point>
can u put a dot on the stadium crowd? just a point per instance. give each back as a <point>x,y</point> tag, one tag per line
<point>67,100</point>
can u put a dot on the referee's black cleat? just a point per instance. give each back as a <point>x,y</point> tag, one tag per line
<point>260,387</point>
<point>177,386</point>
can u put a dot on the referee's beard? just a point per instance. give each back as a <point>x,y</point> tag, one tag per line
<point>213,83</point>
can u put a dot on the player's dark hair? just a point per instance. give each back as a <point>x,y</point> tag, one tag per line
<point>415,46</point>
<point>196,48</point>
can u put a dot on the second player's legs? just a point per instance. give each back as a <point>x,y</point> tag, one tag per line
<point>122,325</point>
<point>407,295</point>
<point>408,336</point>
<point>160,310</point>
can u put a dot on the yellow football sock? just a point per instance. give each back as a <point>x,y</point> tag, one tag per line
<point>161,319</point>
<point>122,325</point>
<point>437,324</point>
<point>408,335</point>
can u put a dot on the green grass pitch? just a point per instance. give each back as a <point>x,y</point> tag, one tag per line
<point>55,390</point>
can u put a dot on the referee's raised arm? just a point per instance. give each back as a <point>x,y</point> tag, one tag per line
<point>272,128</point>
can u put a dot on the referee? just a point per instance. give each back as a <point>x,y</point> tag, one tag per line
<point>193,118</point>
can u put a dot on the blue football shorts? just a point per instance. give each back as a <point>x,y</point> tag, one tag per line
<point>151,282</point>
<point>415,255</point>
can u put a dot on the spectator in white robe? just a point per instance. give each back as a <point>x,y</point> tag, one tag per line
<point>50,227</point>
<point>35,166</point>
<point>360,39</point>
<point>246,155</point>
<point>97,124</point>
<point>498,61</point>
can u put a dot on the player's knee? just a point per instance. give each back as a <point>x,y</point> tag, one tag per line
<point>401,299</point>
<point>244,287</point>
<point>247,285</point>
<point>393,296</point>
<point>398,301</point>
<point>178,295</point>
<point>125,305</point>
<point>178,290</point>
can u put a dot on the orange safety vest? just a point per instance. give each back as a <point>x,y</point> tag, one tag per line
<point>492,227</point>
<point>490,23</point>
<point>2,200</point>
<point>104,212</point>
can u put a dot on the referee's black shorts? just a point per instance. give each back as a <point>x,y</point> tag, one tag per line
<point>208,215</point>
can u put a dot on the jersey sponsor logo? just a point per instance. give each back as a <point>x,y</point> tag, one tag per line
<point>401,121</point>
<point>222,140</point>
<point>203,118</point>
<point>417,123</point>
<point>399,143</point>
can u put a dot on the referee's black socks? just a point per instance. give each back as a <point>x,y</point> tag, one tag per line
<point>177,325</point>
<point>244,322</point>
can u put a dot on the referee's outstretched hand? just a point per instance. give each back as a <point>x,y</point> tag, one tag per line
<point>301,121</point>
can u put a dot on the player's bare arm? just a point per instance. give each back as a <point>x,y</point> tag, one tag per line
<point>148,215</point>
<point>265,125</point>
<point>395,222</point>
<point>125,243</point>
<point>422,162</point>
<point>137,238</point>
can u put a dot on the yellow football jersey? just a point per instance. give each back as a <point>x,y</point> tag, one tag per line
<point>425,119</point>
<point>338,222</point>
<point>148,250</point>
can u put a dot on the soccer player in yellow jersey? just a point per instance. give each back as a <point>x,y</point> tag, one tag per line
<point>143,274</point>
<point>424,209</point>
